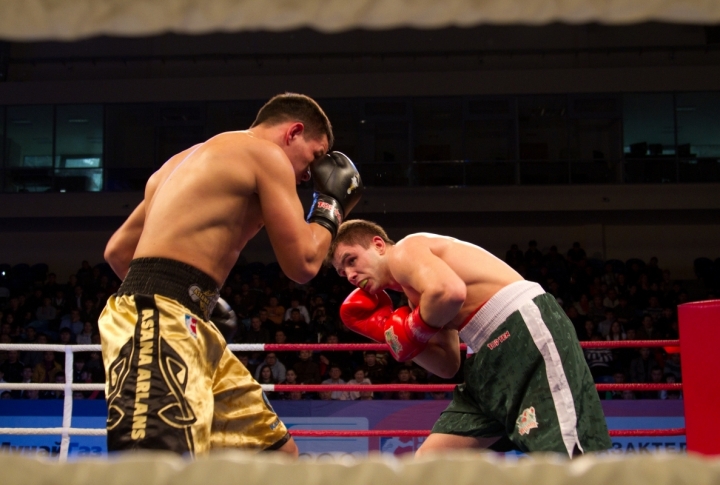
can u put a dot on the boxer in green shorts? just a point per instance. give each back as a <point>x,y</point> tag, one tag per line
<point>527,385</point>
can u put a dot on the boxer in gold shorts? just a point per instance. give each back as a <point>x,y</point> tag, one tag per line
<point>172,384</point>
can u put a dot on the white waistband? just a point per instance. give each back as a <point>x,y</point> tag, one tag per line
<point>496,310</point>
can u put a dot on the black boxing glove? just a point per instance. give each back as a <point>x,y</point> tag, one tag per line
<point>338,188</point>
<point>224,318</point>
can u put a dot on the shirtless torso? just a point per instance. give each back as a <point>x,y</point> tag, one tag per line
<point>205,203</point>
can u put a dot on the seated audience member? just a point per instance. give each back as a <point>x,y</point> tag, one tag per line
<point>278,368</point>
<point>599,360</point>
<point>85,337</point>
<point>647,330</point>
<point>46,370</point>
<point>603,328</point>
<point>403,376</point>
<point>296,327</point>
<point>374,370</point>
<point>640,366</point>
<point>290,379</point>
<point>302,309</point>
<point>335,379</point>
<point>357,380</point>
<point>265,376</point>
<point>307,370</point>
<point>275,311</point>
<point>672,394</point>
<point>257,333</point>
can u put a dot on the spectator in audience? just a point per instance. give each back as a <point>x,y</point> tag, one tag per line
<point>576,254</point>
<point>357,380</point>
<point>616,332</point>
<point>90,312</point>
<point>307,370</point>
<point>61,303</point>
<point>618,378</point>
<point>599,360</point>
<point>290,379</point>
<point>275,312</point>
<point>12,368</point>
<point>46,370</point>
<point>320,325</point>
<point>74,323</point>
<point>85,337</point>
<point>624,311</point>
<point>266,376</point>
<point>66,337</point>
<point>46,312</point>
<point>577,320</point>
<point>49,394</point>
<point>597,309</point>
<point>647,330</point>
<point>374,370</point>
<point>611,299</point>
<point>78,298</point>
<point>295,305</point>
<point>640,366</point>
<point>583,306</point>
<point>296,326</point>
<point>588,331</point>
<point>27,378</point>
<point>257,334</point>
<point>402,376</point>
<point>603,327</point>
<point>335,379</point>
<point>656,377</point>
<point>277,367</point>
<point>670,394</point>
<point>672,366</point>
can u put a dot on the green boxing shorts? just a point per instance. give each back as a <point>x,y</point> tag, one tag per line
<point>527,382</point>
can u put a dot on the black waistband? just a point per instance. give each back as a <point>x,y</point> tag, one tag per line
<point>184,283</point>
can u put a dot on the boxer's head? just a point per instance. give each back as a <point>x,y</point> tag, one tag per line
<point>306,133</point>
<point>357,253</point>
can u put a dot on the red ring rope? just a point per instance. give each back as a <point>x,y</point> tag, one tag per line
<point>419,433</point>
<point>610,344</point>
<point>445,387</point>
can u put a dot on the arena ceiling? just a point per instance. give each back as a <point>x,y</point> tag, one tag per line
<point>32,20</point>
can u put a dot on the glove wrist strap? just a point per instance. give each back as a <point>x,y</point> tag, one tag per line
<point>327,212</point>
<point>418,328</point>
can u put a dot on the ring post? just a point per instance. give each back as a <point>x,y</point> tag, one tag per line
<point>699,336</point>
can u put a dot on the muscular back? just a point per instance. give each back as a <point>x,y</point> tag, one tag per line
<point>201,207</point>
<point>482,272</point>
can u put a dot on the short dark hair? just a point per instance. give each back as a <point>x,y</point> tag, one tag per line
<point>356,231</point>
<point>296,107</point>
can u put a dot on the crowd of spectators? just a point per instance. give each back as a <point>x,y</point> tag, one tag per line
<point>604,300</point>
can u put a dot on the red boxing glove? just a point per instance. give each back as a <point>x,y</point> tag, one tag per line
<point>366,314</point>
<point>407,334</point>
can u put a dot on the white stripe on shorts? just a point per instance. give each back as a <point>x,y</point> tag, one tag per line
<point>559,386</point>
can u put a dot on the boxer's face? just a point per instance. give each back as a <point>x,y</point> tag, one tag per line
<point>361,266</point>
<point>302,150</point>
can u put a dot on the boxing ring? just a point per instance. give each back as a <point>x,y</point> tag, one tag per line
<point>699,330</point>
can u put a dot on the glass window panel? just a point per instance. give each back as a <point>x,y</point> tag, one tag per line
<point>437,129</point>
<point>698,125</point>
<point>29,136</point>
<point>648,125</point>
<point>490,139</point>
<point>79,136</point>
<point>130,146</point>
<point>542,127</point>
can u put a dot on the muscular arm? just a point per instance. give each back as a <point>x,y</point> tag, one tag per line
<point>442,354</point>
<point>121,246</point>
<point>300,247</point>
<point>442,292</point>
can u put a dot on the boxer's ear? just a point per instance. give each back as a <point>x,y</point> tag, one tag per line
<point>294,131</point>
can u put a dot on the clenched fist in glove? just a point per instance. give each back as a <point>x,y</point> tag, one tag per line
<point>338,188</point>
<point>372,316</point>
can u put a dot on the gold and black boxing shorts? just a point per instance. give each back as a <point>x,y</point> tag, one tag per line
<point>172,384</point>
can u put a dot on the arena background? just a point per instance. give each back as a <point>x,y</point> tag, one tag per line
<point>176,53</point>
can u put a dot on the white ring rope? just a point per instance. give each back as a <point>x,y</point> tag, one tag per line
<point>47,431</point>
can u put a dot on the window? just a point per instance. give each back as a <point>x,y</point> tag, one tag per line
<point>79,148</point>
<point>29,149</point>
